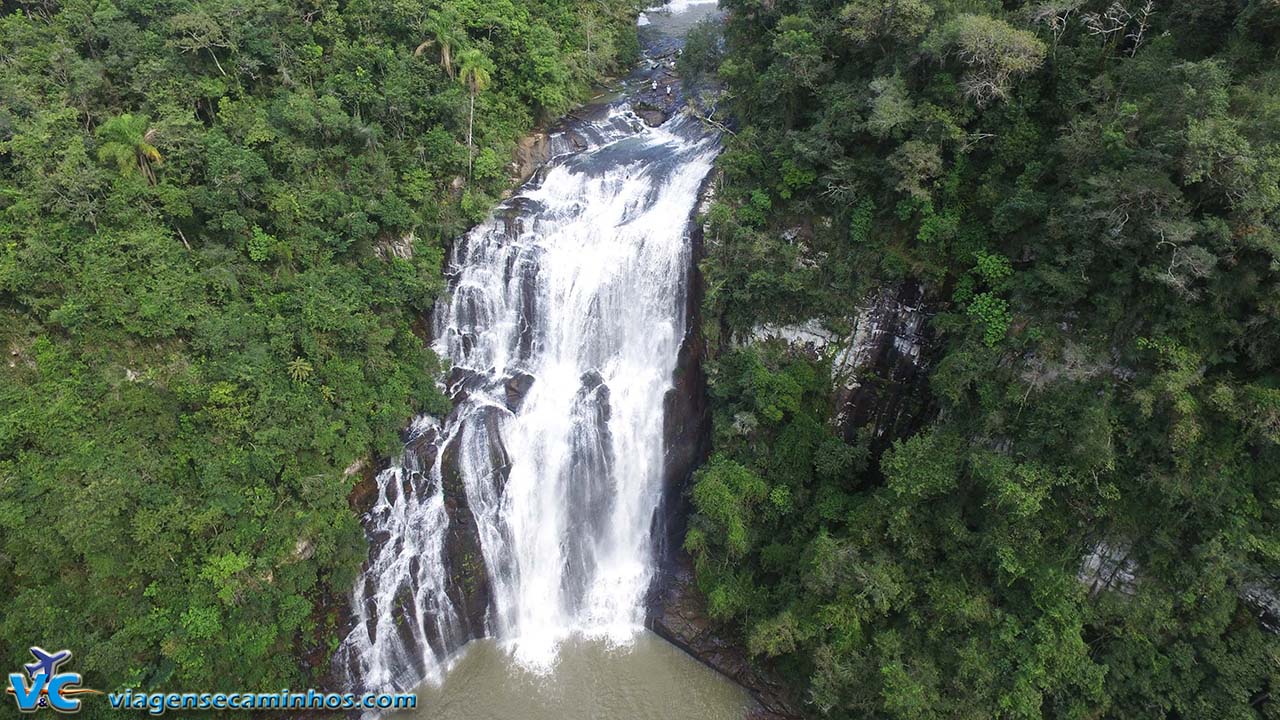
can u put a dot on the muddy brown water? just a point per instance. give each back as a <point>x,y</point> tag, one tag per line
<point>648,680</point>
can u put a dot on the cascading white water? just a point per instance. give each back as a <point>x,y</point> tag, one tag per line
<point>563,322</point>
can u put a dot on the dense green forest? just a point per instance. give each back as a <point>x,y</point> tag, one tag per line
<point>221,222</point>
<point>207,299</point>
<point>1090,193</point>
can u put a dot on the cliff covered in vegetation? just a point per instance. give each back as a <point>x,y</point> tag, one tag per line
<point>219,225</point>
<point>1069,212</point>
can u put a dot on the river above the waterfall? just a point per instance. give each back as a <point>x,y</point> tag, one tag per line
<point>648,679</point>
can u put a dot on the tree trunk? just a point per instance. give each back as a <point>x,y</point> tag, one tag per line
<point>471,121</point>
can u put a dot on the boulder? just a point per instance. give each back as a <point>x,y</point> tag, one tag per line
<point>515,389</point>
<point>531,152</point>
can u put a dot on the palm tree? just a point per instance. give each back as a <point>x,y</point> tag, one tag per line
<point>475,71</point>
<point>300,370</point>
<point>126,141</point>
<point>445,34</point>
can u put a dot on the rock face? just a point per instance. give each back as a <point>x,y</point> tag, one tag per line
<point>652,116</point>
<point>677,610</point>
<point>530,153</point>
<point>1264,596</point>
<point>686,414</point>
<point>515,390</point>
<point>1109,566</point>
<point>365,492</point>
<point>391,247</point>
<point>881,371</point>
<point>681,618</point>
<point>878,370</point>
<point>468,586</point>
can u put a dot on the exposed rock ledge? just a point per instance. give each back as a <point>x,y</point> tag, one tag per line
<point>1110,567</point>
<point>878,370</point>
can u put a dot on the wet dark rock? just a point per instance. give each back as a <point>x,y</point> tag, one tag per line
<point>883,371</point>
<point>686,418</point>
<point>591,380</point>
<point>365,492</point>
<point>469,588</point>
<point>404,616</point>
<point>595,391</point>
<point>461,383</point>
<point>530,153</point>
<point>652,116</point>
<point>528,305</point>
<point>370,607</point>
<point>515,389</point>
<point>677,610</point>
<point>378,538</point>
<point>420,451</point>
<point>591,483</point>
<point>499,460</point>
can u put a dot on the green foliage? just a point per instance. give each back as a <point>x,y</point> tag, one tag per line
<point>220,223</point>
<point>261,245</point>
<point>1089,191</point>
<point>992,313</point>
<point>300,370</point>
<point>702,51</point>
<point>125,143</point>
<point>725,495</point>
<point>992,267</point>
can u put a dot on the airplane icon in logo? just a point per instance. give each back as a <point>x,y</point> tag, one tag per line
<point>47,687</point>
<point>46,663</point>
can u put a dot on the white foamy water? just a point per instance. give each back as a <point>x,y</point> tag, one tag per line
<point>563,320</point>
<point>676,7</point>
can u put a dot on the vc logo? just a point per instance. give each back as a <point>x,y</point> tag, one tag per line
<point>47,687</point>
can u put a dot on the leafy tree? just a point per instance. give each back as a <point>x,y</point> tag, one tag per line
<point>995,53</point>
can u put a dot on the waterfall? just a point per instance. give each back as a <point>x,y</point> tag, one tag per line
<point>528,513</point>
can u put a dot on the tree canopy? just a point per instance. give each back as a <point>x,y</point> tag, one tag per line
<point>220,225</point>
<point>1089,191</point>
